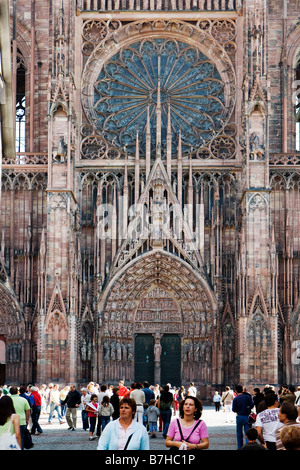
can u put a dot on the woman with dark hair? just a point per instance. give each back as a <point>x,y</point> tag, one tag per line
<point>9,419</point>
<point>189,432</point>
<point>124,433</point>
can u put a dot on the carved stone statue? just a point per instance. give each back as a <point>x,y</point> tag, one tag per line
<point>157,351</point>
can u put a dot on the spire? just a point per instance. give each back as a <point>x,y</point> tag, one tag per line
<point>148,144</point>
<point>158,113</point>
<point>137,170</point>
<point>179,171</point>
<point>169,142</point>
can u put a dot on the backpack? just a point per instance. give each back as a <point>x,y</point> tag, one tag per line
<point>165,405</point>
<point>8,441</point>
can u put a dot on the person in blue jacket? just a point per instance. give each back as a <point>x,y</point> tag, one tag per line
<point>242,405</point>
<point>124,433</point>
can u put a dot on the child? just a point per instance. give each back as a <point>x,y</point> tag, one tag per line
<point>105,411</point>
<point>252,435</point>
<point>92,409</point>
<point>153,413</point>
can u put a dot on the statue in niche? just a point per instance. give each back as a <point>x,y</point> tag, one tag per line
<point>157,349</point>
<point>106,350</point>
<point>256,150</point>
<point>124,352</point>
<point>185,352</point>
<point>113,350</point>
<point>130,352</point>
<point>83,350</point>
<point>62,149</point>
<point>119,351</point>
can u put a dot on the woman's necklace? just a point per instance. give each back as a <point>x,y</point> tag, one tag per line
<point>187,424</point>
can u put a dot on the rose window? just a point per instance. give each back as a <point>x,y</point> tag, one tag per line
<point>130,83</point>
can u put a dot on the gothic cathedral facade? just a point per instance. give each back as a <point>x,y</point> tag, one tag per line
<point>150,215</point>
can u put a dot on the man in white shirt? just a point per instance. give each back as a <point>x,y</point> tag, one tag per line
<point>226,401</point>
<point>54,401</point>
<point>267,422</point>
<point>138,395</point>
<point>192,391</point>
<point>103,391</point>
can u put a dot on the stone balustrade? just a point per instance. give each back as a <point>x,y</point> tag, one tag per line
<point>285,159</point>
<point>27,158</point>
<point>158,5</point>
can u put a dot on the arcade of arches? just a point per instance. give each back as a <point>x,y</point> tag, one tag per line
<point>150,219</point>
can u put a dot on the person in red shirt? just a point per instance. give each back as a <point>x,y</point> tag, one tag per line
<point>122,389</point>
<point>35,403</point>
<point>92,409</point>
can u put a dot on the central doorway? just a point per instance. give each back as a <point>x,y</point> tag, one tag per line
<point>170,359</point>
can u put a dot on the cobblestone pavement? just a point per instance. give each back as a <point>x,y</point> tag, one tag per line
<point>57,437</point>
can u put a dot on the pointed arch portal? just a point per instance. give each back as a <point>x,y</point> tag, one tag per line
<point>158,312</point>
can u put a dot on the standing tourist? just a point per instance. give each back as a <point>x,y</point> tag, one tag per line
<point>115,401</point>
<point>73,401</point>
<point>124,433</point>
<point>85,399</point>
<point>242,405</point>
<point>106,410</point>
<point>122,389</point>
<point>267,422</point>
<point>257,398</point>
<point>93,410</point>
<point>189,432</point>
<point>54,402</point>
<point>226,402</point>
<point>288,417</point>
<point>217,400</point>
<point>290,437</point>
<point>138,395</point>
<point>165,405</point>
<point>62,396</point>
<point>192,391</point>
<point>153,414</point>
<point>149,394</point>
<point>22,408</point>
<point>10,422</point>
<point>36,406</point>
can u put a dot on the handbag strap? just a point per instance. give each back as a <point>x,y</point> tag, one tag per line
<point>128,440</point>
<point>180,430</point>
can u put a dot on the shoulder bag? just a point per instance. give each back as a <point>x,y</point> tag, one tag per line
<point>128,440</point>
<point>8,441</point>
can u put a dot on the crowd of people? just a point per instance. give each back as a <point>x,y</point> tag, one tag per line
<point>266,420</point>
<point>124,417</point>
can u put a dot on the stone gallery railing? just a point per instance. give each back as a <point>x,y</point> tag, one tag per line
<point>27,158</point>
<point>158,5</point>
<point>285,159</point>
